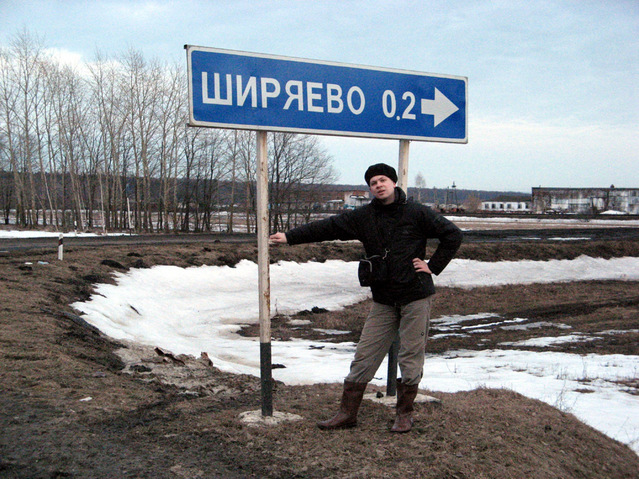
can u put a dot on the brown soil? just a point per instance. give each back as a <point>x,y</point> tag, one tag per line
<point>155,415</point>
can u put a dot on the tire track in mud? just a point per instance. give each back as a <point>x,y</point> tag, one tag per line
<point>560,310</point>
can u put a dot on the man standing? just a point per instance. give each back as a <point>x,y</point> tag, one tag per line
<point>394,233</point>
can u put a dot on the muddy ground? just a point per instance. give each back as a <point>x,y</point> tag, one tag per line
<point>76,404</point>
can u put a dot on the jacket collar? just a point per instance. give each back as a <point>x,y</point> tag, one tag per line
<point>400,199</point>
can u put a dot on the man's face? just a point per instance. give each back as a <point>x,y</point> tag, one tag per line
<point>383,188</point>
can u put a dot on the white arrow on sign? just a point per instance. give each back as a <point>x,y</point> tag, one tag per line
<point>441,107</point>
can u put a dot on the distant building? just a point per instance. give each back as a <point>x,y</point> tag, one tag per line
<point>356,198</point>
<point>586,200</point>
<point>346,199</point>
<point>508,204</point>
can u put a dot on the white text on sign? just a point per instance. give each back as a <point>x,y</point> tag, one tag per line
<point>319,97</point>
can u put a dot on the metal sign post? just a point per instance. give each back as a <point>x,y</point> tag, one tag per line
<point>402,172</point>
<point>402,182</point>
<point>264,284</point>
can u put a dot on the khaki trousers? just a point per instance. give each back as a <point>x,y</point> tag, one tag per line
<point>380,329</point>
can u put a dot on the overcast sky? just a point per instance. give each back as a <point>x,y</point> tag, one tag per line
<point>552,85</point>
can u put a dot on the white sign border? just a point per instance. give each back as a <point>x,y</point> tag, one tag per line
<point>197,123</point>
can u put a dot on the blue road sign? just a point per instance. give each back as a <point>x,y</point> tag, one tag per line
<point>230,89</point>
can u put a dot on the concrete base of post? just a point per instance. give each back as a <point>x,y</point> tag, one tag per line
<point>392,400</point>
<point>255,418</point>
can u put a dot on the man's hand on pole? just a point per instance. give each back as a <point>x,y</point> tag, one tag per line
<point>278,238</point>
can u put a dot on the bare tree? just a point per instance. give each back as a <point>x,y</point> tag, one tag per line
<point>70,110</point>
<point>28,55</point>
<point>246,172</point>
<point>232,150</point>
<point>21,88</point>
<point>190,148</point>
<point>298,165</point>
<point>171,117</point>
<point>107,90</point>
<point>143,81</point>
<point>8,110</point>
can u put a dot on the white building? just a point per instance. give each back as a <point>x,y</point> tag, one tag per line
<point>347,199</point>
<point>586,200</point>
<point>356,198</point>
<point>509,204</point>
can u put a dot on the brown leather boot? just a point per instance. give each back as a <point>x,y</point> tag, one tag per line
<point>405,398</point>
<point>347,415</point>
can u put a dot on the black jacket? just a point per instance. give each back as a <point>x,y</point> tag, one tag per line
<point>401,227</point>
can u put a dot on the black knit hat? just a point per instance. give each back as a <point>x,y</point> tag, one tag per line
<point>380,169</point>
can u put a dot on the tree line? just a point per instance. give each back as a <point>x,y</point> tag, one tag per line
<point>107,144</point>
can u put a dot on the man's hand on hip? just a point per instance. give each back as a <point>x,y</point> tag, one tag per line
<point>421,266</point>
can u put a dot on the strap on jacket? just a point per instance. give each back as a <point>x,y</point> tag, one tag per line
<point>384,241</point>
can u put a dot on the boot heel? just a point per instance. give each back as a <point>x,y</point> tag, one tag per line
<point>349,406</point>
